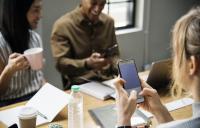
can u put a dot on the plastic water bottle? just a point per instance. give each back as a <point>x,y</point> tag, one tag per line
<point>75,108</point>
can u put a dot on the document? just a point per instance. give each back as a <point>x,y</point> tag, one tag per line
<point>48,101</point>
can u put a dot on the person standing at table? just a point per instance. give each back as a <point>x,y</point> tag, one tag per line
<point>79,40</point>
<point>186,75</point>
<point>18,81</point>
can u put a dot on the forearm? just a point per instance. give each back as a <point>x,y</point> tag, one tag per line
<point>123,122</point>
<point>163,115</point>
<point>5,78</point>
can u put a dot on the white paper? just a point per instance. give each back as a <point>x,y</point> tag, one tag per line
<point>179,104</point>
<point>49,101</point>
<point>10,116</point>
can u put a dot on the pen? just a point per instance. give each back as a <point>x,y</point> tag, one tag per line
<point>42,115</point>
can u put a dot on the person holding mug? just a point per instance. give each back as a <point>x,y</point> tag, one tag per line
<point>18,81</point>
<point>186,76</point>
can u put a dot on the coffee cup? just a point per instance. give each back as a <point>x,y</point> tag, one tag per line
<point>34,57</point>
<point>27,117</point>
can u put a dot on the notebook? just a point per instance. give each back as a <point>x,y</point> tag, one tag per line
<point>99,90</point>
<point>160,74</point>
<point>106,117</point>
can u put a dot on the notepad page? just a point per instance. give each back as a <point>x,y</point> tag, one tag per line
<point>49,101</point>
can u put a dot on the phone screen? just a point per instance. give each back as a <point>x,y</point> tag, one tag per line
<point>128,72</point>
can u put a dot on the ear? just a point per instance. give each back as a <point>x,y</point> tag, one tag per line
<point>193,65</point>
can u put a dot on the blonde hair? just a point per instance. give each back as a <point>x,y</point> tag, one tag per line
<point>185,43</point>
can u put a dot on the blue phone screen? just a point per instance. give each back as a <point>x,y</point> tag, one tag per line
<point>129,73</point>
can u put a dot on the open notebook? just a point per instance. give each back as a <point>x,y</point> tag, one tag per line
<point>45,101</point>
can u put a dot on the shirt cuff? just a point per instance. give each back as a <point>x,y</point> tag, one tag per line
<point>86,66</point>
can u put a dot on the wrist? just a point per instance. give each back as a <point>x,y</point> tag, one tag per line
<point>9,69</point>
<point>124,122</point>
<point>87,65</point>
<point>163,115</point>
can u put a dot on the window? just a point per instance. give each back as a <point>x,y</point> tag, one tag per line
<point>122,11</point>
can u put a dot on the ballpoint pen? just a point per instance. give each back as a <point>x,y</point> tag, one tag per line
<point>42,115</point>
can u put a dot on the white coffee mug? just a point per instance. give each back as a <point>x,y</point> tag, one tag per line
<point>34,57</point>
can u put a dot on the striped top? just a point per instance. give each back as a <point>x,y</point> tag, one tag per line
<point>24,81</point>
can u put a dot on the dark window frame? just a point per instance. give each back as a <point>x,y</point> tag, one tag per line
<point>132,25</point>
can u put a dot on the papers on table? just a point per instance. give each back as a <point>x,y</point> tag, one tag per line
<point>49,101</point>
<point>171,106</point>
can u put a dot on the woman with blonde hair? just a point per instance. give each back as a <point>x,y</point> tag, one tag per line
<point>186,76</point>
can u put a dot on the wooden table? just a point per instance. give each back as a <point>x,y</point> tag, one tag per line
<point>91,102</point>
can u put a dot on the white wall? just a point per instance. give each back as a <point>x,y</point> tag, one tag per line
<point>163,15</point>
<point>146,45</point>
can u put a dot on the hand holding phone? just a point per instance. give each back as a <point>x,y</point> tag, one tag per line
<point>128,71</point>
<point>109,51</point>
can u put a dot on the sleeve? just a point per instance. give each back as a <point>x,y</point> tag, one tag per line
<point>178,124</point>
<point>62,51</point>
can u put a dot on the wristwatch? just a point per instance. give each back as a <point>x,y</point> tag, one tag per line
<point>124,127</point>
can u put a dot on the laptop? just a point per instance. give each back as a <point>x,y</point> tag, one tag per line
<point>160,74</point>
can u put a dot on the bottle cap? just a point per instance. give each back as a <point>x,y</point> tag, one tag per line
<point>75,88</point>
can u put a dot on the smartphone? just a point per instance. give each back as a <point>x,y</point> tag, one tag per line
<point>128,71</point>
<point>109,51</point>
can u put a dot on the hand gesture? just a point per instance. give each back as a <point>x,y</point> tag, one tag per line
<point>153,103</point>
<point>96,61</point>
